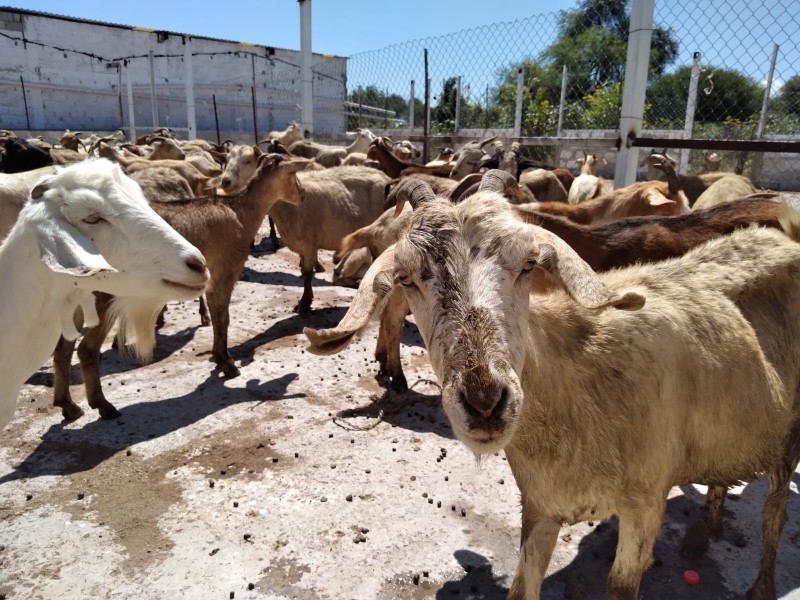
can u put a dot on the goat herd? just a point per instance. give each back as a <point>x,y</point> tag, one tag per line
<point>613,342</point>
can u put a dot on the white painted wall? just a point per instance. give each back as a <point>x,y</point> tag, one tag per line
<point>68,90</point>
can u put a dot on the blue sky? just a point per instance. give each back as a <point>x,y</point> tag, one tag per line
<point>342,27</point>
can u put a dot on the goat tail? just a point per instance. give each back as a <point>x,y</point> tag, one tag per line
<point>790,218</point>
<point>358,239</point>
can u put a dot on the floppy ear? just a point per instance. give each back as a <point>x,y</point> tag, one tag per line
<point>65,250</point>
<point>655,198</point>
<point>577,278</point>
<point>374,288</point>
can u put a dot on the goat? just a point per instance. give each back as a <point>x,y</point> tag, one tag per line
<point>381,150</point>
<point>544,185</point>
<point>288,136</point>
<point>642,198</point>
<point>15,189</point>
<point>352,268</point>
<point>724,189</point>
<point>20,155</point>
<point>609,390</point>
<point>469,155</point>
<point>587,185</point>
<point>693,185</point>
<point>71,141</point>
<point>197,181</point>
<point>405,150</point>
<point>336,202</point>
<point>223,228</point>
<point>87,228</point>
<point>445,156</point>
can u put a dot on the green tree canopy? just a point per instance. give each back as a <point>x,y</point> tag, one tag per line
<point>722,94</point>
<point>789,99</point>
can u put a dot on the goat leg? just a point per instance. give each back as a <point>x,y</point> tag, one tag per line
<point>696,541</point>
<point>537,541</point>
<point>273,235</point>
<point>387,349</point>
<point>89,357</point>
<point>62,360</point>
<point>307,263</point>
<point>218,303</point>
<point>205,320</point>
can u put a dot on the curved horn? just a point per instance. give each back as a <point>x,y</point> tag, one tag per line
<point>663,164</point>
<point>486,141</point>
<point>460,191</point>
<point>414,191</point>
<point>495,180</point>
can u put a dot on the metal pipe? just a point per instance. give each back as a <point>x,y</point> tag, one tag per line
<point>216,117</point>
<point>457,118</point>
<point>131,117</point>
<point>641,31</point>
<point>307,82</point>
<point>411,106</point>
<point>691,105</point>
<point>561,102</point>
<point>191,120</point>
<point>518,110</point>
<point>25,102</point>
<point>427,124</point>
<point>253,95</point>
<point>153,99</point>
<point>763,118</point>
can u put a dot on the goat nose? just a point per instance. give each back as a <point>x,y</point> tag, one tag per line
<point>196,264</point>
<point>484,402</point>
<point>226,181</point>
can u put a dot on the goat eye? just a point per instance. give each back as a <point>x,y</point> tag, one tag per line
<point>93,219</point>
<point>529,265</point>
<point>404,279</point>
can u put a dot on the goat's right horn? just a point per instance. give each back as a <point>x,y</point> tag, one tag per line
<point>496,180</point>
<point>467,182</point>
<point>414,191</point>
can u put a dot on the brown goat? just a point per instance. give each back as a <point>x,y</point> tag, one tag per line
<point>381,150</point>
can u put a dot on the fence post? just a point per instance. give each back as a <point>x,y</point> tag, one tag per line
<point>691,105</point>
<point>457,118</point>
<point>191,121</point>
<point>411,105</point>
<point>559,127</point>
<point>758,159</point>
<point>518,111</point>
<point>131,117</point>
<point>153,98</point>
<point>426,127</point>
<point>119,95</point>
<point>307,83</point>
<point>25,102</point>
<point>253,95</point>
<point>216,117</point>
<point>640,33</point>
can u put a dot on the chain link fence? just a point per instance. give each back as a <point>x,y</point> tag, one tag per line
<point>555,80</point>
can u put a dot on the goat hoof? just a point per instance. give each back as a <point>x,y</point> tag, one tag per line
<point>107,411</point>
<point>399,383</point>
<point>319,268</point>
<point>71,411</point>
<point>695,542</point>
<point>204,321</point>
<point>302,309</point>
<point>229,370</point>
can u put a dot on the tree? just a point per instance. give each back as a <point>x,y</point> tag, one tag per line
<point>722,94</point>
<point>371,96</point>
<point>789,99</point>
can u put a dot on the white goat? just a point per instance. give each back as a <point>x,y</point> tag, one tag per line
<point>87,228</point>
<point>587,185</point>
<point>610,389</point>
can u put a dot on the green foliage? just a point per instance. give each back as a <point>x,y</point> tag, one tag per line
<point>371,96</point>
<point>723,94</point>
<point>789,100</point>
<point>603,108</point>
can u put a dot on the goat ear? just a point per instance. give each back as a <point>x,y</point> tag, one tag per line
<point>257,151</point>
<point>655,198</point>
<point>374,288</point>
<point>577,278</point>
<point>65,250</point>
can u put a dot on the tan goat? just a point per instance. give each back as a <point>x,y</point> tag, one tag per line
<point>611,389</point>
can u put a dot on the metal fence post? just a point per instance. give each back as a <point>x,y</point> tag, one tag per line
<point>153,98</point>
<point>411,105</point>
<point>518,110</point>
<point>191,121</point>
<point>426,131</point>
<point>758,160</point>
<point>640,33</point>
<point>559,127</point>
<point>25,102</point>
<point>131,118</point>
<point>457,118</point>
<point>253,94</point>
<point>691,105</point>
<point>216,117</point>
<point>306,78</point>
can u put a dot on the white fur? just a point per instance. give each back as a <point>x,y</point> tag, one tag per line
<point>88,228</point>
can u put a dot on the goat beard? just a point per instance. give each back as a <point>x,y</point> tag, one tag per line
<point>137,326</point>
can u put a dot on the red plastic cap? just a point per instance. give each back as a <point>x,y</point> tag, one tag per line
<point>691,577</point>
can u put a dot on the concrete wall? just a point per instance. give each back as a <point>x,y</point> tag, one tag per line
<point>76,91</point>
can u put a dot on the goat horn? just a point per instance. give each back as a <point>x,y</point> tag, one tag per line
<point>495,180</point>
<point>486,141</point>
<point>415,192</point>
<point>673,182</point>
<point>460,191</point>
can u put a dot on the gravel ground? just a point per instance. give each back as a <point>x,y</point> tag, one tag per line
<point>302,478</point>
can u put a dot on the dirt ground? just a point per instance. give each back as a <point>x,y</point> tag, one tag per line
<point>304,478</point>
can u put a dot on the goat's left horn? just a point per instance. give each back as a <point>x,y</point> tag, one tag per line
<point>495,180</point>
<point>415,192</point>
<point>465,185</point>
